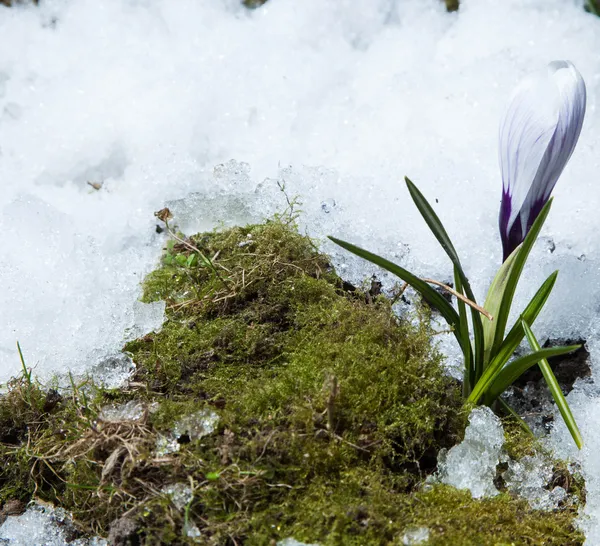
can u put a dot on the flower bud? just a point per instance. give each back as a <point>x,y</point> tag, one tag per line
<point>538,134</point>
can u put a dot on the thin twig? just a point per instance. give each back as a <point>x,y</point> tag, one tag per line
<point>339,438</point>
<point>266,445</point>
<point>461,297</point>
<point>398,294</point>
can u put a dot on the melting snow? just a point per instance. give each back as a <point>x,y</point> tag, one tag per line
<point>529,478</point>
<point>472,463</point>
<point>110,110</point>
<point>42,525</point>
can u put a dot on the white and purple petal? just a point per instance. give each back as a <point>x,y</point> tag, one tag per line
<point>537,137</point>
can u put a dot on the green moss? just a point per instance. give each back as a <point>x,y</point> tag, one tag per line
<point>517,442</point>
<point>363,509</point>
<point>331,414</point>
<point>285,343</point>
<point>24,412</point>
<point>455,518</point>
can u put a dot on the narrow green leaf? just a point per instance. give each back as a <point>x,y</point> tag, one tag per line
<point>524,426</point>
<point>479,340</point>
<point>469,374</point>
<point>530,313</point>
<point>493,301</point>
<point>515,274</point>
<point>429,294</point>
<point>26,373</point>
<point>438,230</point>
<point>433,222</point>
<point>514,369</point>
<point>514,337</point>
<point>555,389</point>
<point>192,259</point>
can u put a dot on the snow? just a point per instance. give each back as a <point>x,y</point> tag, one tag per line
<point>472,463</point>
<point>529,478</point>
<point>42,525</point>
<point>207,107</point>
<point>415,535</point>
<point>192,427</point>
<point>180,494</point>
<point>585,404</point>
<point>129,411</point>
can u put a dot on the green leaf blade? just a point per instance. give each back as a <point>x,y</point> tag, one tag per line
<point>510,411</point>
<point>469,374</point>
<point>440,233</point>
<point>429,294</point>
<point>514,337</point>
<point>555,389</point>
<point>433,221</point>
<point>522,253</point>
<point>514,369</point>
<point>493,302</point>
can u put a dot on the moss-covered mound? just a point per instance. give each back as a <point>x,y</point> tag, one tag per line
<point>274,403</point>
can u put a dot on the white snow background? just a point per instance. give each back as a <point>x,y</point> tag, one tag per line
<point>205,105</point>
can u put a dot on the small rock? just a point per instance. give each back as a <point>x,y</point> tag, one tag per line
<point>12,507</point>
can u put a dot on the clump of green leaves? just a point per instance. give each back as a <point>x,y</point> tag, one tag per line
<point>489,370</point>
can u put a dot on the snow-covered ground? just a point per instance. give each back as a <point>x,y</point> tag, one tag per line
<point>206,106</point>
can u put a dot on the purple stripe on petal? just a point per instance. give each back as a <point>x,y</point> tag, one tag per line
<point>513,239</point>
<point>505,210</point>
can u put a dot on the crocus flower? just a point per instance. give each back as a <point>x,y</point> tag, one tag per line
<point>537,137</point>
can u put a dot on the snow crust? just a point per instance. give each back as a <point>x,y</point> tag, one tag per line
<point>42,525</point>
<point>193,426</point>
<point>585,404</point>
<point>129,411</point>
<point>472,463</point>
<point>209,108</point>
<point>529,478</point>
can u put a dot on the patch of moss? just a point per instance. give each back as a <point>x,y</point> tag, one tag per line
<point>518,442</point>
<point>277,336</point>
<point>331,414</point>
<point>24,411</point>
<point>364,509</point>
